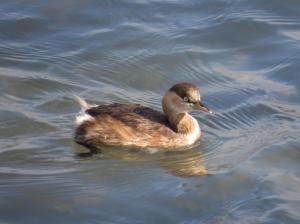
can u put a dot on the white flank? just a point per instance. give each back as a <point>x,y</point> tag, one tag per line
<point>192,137</point>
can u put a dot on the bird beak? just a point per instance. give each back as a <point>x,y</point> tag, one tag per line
<point>200,106</point>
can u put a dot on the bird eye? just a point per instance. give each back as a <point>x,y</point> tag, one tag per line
<point>185,99</point>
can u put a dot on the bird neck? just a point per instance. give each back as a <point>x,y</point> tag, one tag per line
<point>182,123</point>
<point>179,119</point>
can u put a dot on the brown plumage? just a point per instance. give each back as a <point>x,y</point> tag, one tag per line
<point>137,126</point>
<point>129,125</point>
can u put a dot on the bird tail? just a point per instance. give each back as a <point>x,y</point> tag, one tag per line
<point>84,105</point>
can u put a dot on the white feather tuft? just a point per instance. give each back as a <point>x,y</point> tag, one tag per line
<point>84,105</point>
<point>82,116</point>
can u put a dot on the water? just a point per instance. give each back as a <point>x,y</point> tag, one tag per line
<point>243,54</point>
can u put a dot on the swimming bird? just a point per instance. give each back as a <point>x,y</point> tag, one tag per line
<point>137,126</point>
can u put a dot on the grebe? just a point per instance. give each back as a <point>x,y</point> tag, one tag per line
<point>136,126</point>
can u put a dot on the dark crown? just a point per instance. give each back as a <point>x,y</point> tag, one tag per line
<point>184,89</point>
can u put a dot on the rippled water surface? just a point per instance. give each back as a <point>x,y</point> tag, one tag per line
<point>243,54</point>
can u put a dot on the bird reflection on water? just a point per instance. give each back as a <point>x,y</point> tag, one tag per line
<point>185,163</point>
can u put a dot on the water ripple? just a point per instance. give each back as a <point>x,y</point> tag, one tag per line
<point>242,54</point>
<point>24,171</point>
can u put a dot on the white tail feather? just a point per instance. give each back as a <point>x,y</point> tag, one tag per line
<point>84,105</point>
<point>82,116</point>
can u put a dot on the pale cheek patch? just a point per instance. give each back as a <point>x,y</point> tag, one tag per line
<point>198,97</point>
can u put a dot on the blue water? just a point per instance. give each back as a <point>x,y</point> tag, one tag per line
<point>244,55</point>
